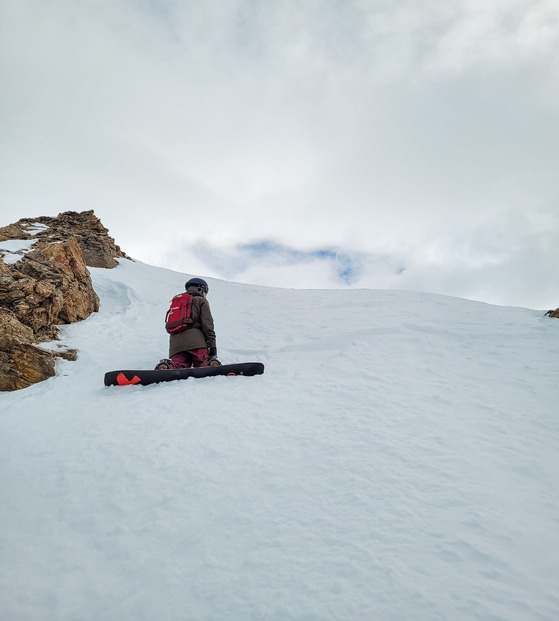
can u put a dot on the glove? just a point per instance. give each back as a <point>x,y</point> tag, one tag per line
<point>212,360</point>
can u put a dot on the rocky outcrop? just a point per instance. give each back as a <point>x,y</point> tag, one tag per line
<point>50,285</point>
<point>21,362</point>
<point>98,248</point>
<point>553,313</point>
<point>46,286</point>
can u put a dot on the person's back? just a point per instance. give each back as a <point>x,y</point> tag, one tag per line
<point>194,346</point>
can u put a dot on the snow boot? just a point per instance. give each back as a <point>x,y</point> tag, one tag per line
<point>164,363</point>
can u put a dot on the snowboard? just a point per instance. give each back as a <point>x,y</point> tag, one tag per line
<point>144,377</point>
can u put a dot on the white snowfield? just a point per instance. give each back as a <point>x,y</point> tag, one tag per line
<point>398,460</point>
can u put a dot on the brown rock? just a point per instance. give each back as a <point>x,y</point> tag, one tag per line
<point>98,248</point>
<point>50,285</point>
<point>13,231</point>
<point>12,328</point>
<point>553,313</point>
<point>67,354</point>
<point>24,364</point>
<point>21,362</point>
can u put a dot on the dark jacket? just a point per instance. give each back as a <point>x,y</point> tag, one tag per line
<point>201,334</point>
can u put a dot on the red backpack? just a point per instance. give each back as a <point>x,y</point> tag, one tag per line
<point>178,317</point>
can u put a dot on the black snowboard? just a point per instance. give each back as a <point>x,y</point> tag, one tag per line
<point>145,377</point>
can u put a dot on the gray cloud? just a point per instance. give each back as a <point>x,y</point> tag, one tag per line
<point>420,131</point>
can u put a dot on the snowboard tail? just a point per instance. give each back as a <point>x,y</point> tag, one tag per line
<point>144,377</point>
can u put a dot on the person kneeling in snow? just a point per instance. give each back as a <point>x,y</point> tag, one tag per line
<point>195,346</point>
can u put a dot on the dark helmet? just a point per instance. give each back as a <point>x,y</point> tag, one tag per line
<point>199,283</point>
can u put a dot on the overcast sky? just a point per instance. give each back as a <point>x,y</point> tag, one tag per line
<point>409,144</point>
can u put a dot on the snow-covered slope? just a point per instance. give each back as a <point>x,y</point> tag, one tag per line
<point>398,459</point>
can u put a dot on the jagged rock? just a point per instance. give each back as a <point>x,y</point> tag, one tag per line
<point>24,364</point>
<point>13,231</point>
<point>12,328</point>
<point>67,354</point>
<point>21,362</point>
<point>553,313</point>
<point>98,248</point>
<point>50,285</point>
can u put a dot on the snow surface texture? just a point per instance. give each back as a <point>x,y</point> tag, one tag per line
<point>397,460</point>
